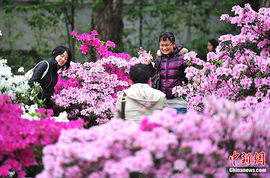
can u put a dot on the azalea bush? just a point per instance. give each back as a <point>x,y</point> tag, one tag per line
<point>21,140</point>
<point>90,90</point>
<point>163,145</point>
<point>90,43</point>
<point>16,86</point>
<point>239,68</point>
<point>33,112</point>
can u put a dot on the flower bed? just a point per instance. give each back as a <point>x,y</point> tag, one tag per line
<point>240,68</point>
<point>20,137</point>
<point>164,145</point>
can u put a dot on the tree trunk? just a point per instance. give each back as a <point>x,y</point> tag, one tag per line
<point>108,21</point>
<point>69,11</point>
<point>141,24</point>
<point>264,3</point>
<point>72,28</point>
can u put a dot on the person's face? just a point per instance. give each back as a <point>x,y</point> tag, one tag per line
<point>62,59</point>
<point>210,47</point>
<point>166,46</point>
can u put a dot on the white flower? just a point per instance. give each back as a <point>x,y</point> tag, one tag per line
<point>6,84</point>
<point>11,173</point>
<point>21,69</point>
<point>27,116</point>
<point>1,33</point>
<point>5,71</point>
<point>3,62</point>
<point>17,79</point>
<point>28,110</point>
<point>62,117</point>
<point>2,82</point>
<point>31,108</point>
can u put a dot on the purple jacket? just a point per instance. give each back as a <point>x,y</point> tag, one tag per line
<point>172,71</point>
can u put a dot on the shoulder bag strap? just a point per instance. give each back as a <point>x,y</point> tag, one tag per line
<point>46,71</point>
<point>123,105</point>
<point>158,62</point>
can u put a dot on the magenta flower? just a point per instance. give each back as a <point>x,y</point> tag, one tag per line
<point>94,33</point>
<point>74,33</point>
<point>147,126</point>
<point>84,49</point>
<point>110,44</point>
<point>18,136</point>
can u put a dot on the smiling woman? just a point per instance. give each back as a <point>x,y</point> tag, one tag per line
<point>60,58</point>
<point>171,67</point>
<point>166,43</point>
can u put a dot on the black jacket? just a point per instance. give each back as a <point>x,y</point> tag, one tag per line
<point>48,81</point>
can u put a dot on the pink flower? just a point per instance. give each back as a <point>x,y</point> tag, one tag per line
<point>102,50</point>
<point>49,112</point>
<point>179,164</point>
<point>179,91</point>
<point>223,71</point>
<point>237,9</point>
<point>94,33</point>
<point>4,170</point>
<point>211,56</point>
<point>162,150</point>
<point>84,49</point>
<point>22,136</point>
<point>95,42</point>
<point>246,82</point>
<point>110,44</point>
<point>82,37</point>
<point>226,37</point>
<point>224,17</point>
<point>41,111</point>
<point>147,126</point>
<point>265,54</point>
<point>74,33</point>
<point>189,56</point>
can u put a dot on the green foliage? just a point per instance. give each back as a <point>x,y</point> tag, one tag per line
<point>98,4</point>
<point>193,22</point>
<point>25,59</point>
<point>199,45</point>
<point>8,21</point>
<point>32,171</point>
<point>45,17</point>
<point>30,96</point>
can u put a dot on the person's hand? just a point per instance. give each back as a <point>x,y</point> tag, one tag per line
<point>145,56</point>
<point>148,57</point>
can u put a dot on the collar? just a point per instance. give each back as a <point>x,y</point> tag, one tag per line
<point>177,51</point>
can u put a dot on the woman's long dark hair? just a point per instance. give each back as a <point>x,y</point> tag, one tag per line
<point>214,43</point>
<point>60,50</point>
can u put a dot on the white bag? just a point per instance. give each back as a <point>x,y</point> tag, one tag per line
<point>29,74</point>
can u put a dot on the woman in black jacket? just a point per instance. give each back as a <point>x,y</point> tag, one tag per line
<point>60,58</point>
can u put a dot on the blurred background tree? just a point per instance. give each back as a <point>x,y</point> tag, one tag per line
<point>31,29</point>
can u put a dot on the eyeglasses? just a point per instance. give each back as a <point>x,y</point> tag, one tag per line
<point>165,46</point>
